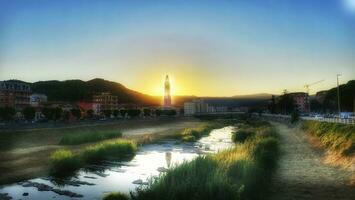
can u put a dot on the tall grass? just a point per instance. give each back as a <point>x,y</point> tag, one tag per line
<point>116,150</point>
<point>240,173</point>
<point>80,138</point>
<point>116,196</point>
<point>64,162</point>
<point>336,137</point>
<point>193,134</point>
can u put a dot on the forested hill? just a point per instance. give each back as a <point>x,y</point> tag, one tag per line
<point>78,90</point>
<point>347,97</point>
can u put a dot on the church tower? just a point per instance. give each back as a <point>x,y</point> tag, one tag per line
<point>167,97</point>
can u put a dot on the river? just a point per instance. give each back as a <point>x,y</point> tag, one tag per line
<point>95,181</point>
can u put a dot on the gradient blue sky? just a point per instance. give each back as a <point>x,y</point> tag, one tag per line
<point>209,48</point>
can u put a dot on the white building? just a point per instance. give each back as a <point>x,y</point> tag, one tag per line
<point>196,106</point>
<point>189,108</point>
<point>36,99</point>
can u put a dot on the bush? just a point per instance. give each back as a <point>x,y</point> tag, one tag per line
<point>64,162</point>
<point>80,138</point>
<point>241,136</point>
<point>116,196</point>
<point>295,116</point>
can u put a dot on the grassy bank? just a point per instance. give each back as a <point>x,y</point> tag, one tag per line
<point>195,133</point>
<point>65,162</point>
<point>240,173</point>
<point>336,137</point>
<point>74,139</point>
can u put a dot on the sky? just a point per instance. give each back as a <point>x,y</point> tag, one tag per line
<point>208,48</point>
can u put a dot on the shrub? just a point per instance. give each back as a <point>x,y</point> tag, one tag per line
<point>64,162</point>
<point>295,116</point>
<point>80,138</point>
<point>241,136</point>
<point>116,196</point>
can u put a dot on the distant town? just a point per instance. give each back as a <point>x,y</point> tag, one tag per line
<point>21,103</point>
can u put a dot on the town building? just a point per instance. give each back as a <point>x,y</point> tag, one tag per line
<point>301,101</point>
<point>189,108</point>
<point>105,101</point>
<point>37,99</point>
<point>197,106</point>
<point>15,93</point>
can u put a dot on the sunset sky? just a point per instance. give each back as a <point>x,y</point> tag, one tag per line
<point>209,48</point>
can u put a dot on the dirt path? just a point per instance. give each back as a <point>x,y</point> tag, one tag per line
<point>302,173</point>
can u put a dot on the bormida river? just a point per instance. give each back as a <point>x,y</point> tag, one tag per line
<point>150,161</point>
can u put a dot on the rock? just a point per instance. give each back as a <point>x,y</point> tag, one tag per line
<point>90,177</point>
<point>25,194</point>
<point>138,182</point>
<point>5,196</point>
<point>162,169</point>
<point>44,187</point>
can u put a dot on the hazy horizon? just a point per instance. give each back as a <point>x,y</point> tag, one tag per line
<point>208,48</point>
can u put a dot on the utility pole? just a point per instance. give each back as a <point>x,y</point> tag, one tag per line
<point>338,91</point>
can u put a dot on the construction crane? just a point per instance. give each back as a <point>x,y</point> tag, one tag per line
<point>310,84</point>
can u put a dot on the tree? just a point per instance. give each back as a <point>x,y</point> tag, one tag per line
<point>286,104</point>
<point>48,113</point>
<point>107,113</point>
<point>66,115</point>
<point>295,116</point>
<point>116,113</point>
<point>76,113</point>
<point>147,112</point>
<point>29,113</point>
<point>90,113</point>
<point>133,112</point>
<point>123,112</point>
<point>57,114</point>
<point>7,113</point>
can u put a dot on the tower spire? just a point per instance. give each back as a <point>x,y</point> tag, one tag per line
<point>167,97</point>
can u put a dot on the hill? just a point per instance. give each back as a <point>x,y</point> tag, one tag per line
<point>78,90</point>
<point>347,97</point>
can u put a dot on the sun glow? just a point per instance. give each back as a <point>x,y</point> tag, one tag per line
<point>349,5</point>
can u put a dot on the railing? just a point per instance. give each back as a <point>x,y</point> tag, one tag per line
<point>331,120</point>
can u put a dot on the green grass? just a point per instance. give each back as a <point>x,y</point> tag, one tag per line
<point>240,173</point>
<point>64,162</point>
<point>336,137</point>
<point>81,138</point>
<point>193,134</point>
<point>116,150</point>
<point>116,196</point>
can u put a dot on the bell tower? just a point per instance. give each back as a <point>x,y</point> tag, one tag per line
<point>167,97</point>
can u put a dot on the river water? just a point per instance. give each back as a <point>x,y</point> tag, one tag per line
<point>96,181</point>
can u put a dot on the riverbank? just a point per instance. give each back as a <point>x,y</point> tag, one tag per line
<point>25,153</point>
<point>302,173</point>
<point>95,180</point>
<point>242,172</point>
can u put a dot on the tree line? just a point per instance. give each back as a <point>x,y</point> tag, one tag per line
<point>57,113</point>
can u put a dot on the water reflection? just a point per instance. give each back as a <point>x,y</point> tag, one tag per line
<point>151,160</point>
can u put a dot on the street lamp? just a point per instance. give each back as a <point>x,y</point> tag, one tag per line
<point>338,91</point>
